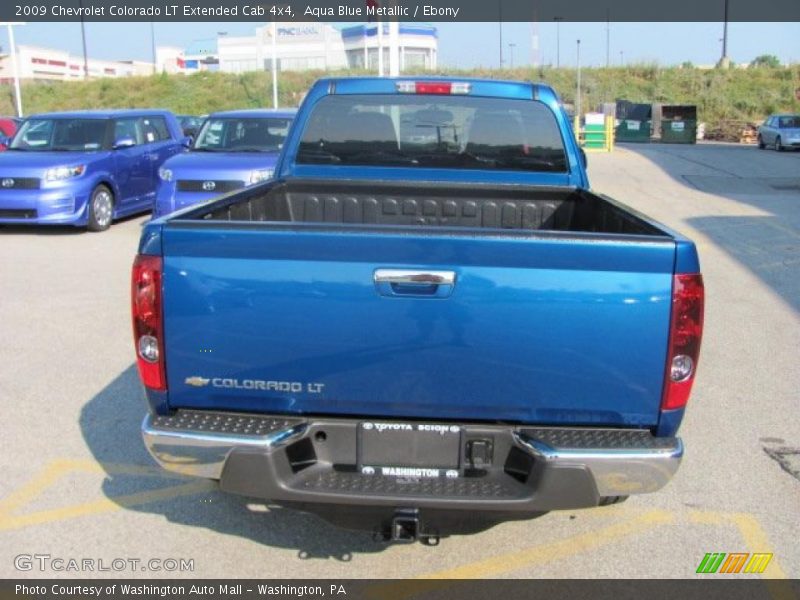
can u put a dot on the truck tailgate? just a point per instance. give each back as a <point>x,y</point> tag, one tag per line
<point>549,329</point>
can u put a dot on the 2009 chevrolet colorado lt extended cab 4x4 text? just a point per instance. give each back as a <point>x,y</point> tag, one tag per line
<point>425,321</point>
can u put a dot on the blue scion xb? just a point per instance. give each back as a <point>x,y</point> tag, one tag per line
<point>86,168</point>
<point>233,149</point>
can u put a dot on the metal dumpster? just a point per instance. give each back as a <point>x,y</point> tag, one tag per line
<point>678,124</point>
<point>634,121</point>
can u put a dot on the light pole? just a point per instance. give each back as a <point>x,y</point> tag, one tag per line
<point>511,47</point>
<point>578,91</point>
<point>275,64</point>
<point>724,59</point>
<point>153,44</point>
<point>83,42</point>
<point>15,65</point>
<point>608,38</point>
<point>500,27</point>
<point>501,43</point>
<point>558,40</point>
<point>621,59</point>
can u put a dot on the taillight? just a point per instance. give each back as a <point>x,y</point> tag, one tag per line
<point>686,330</point>
<point>148,327</point>
<point>433,87</point>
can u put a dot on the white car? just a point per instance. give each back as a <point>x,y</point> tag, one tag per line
<point>781,132</point>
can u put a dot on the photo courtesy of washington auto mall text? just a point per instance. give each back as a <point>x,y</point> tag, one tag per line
<point>400,299</point>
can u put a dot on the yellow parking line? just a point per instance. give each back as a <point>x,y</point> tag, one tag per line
<point>104,505</point>
<point>61,467</point>
<point>554,550</point>
<point>755,538</point>
<point>58,468</point>
<point>33,488</point>
<point>516,560</point>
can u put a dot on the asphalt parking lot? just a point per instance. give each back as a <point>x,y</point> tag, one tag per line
<point>78,483</point>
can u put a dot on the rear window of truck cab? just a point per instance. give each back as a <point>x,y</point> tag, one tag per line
<point>433,131</point>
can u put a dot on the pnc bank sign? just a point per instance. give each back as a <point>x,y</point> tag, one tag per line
<point>299,31</point>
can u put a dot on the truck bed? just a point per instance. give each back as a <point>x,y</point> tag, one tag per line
<point>429,204</point>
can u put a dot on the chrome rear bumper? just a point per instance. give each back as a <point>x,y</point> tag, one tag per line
<point>617,471</point>
<point>198,444</point>
<point>315,460</point>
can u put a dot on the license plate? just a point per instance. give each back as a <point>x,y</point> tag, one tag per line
<point>409,449</point>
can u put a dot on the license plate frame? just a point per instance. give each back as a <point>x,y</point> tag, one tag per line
<point>432,446</point>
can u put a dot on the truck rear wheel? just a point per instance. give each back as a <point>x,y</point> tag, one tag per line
<point>101,209</point>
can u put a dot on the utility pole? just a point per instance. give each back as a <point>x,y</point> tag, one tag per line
<point>500,24</point>
<point>558,40</point>
<point>274,64</point>
<point>511,47</point>
<point>608,38</point>
<point>83,41</point>
<point>15,65</point>
<point>578,91</point>
<point>153,44</point>
<point>724,60</point>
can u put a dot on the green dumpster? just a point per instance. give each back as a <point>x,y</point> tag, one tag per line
<point>632,130</point>
<point>679,124</point>
<point>634,121</point>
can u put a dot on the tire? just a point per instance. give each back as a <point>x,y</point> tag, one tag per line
<point>101,209</point>
<point>761,144</point>
<point>778,146</point>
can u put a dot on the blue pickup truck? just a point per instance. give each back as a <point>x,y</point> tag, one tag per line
<point>425,324</point>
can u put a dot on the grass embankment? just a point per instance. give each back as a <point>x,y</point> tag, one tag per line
<point>720,95</point>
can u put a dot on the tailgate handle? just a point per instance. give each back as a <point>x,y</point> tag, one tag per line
<point>417,284</point>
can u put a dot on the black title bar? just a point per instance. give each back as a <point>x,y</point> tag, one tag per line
<point>403,10</point>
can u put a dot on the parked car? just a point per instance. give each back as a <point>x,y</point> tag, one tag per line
<point>190,124</point>
<point>425,321</point>
<point>8,127</point>
<point>86,168</point>
<point>780,132</point>
<point>232,150</point>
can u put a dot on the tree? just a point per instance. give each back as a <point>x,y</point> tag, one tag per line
<point>687,64</point>
<point>766,60</point>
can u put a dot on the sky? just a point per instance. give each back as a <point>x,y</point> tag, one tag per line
<point>470,44</point>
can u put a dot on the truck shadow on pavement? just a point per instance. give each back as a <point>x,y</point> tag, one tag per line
<point>110,426</point>
<point>767,244</point>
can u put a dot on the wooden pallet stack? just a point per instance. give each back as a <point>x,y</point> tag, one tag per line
<point>749,134</point>
<point>742,132</point>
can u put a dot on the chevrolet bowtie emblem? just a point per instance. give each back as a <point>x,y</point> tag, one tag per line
<point>196,381</point>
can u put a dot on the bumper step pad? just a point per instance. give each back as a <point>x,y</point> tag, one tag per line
<point>198,421</point>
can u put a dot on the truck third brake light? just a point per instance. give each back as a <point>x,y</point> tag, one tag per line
<point>433,87</point>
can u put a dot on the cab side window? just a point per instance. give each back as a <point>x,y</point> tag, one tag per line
<point>127,128</point>
<point>154,129</point>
